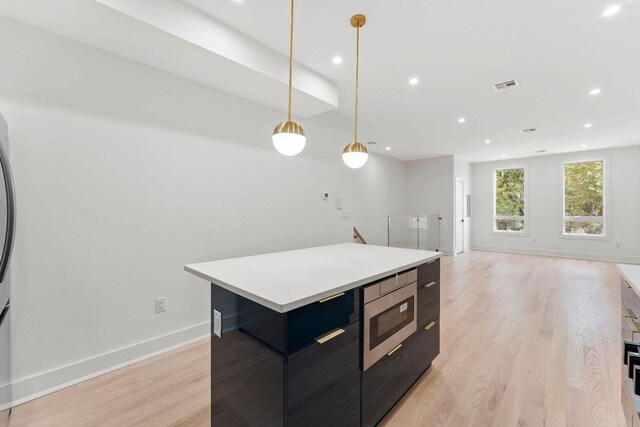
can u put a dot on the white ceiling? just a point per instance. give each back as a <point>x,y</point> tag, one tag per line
<point>557,49</point>
<point>177,38</point>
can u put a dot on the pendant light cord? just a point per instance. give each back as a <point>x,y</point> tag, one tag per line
<point>355,138</point>
<point>290,61</point>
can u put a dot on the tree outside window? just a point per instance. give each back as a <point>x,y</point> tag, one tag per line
<point>584,210</point>
<point>509,215</point>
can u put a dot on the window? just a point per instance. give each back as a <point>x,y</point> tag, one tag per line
<point>583,193</point>
<point>510,202</point>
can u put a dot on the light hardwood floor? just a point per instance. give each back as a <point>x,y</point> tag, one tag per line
<point>526,341</point>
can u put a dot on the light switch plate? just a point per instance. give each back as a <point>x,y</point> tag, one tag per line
<point>339,202</point>
<point>217,323</point>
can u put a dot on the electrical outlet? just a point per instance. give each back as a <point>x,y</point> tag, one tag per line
<point>217,323</point>
<point>161,304</point>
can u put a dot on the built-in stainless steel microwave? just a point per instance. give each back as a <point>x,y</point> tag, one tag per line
<point>389,315</point>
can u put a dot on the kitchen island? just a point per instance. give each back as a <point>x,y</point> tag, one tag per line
<point>630,348</point>
<point>332,335</point>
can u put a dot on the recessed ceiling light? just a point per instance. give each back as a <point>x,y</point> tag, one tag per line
<point>487,141</point>
<point>584,145</point>
<point>413,81</point>
<point>588,125</point>
<point>611,10</point>
<point>504,155</point>
<point>337,60</point>
<point>462,120</point>
<point>388,148</point>
<point>595,91</point>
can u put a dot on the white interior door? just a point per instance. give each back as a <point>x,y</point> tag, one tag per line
<point>459,216</point>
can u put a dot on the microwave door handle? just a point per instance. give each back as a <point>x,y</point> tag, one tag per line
<point>11,214</point>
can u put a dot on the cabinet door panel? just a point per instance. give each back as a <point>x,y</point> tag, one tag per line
<point>307,323</point>
<point>428,302</point>
<point>247,382</point>
<point>429,272</point>
<point>324,382</point>
<point>385,382</point>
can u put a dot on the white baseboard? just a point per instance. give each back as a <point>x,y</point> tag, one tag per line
<point>562,254</point>
<point>26,389</point>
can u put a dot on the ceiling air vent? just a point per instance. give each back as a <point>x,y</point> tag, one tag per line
<point>372,143</point>
<point>506,85</point>
<point>541,151</point>
<point>528,130</point>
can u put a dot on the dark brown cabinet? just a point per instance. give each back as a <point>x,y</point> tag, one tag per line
<point>246,382</point>
<point>304,367</point>
<point>428,302</point>
<point>429,272</point>
<point>630,331</point>
<point>291,331</point>
<point>300,368</point>
<point>324,382</point>
<point>389,379</point>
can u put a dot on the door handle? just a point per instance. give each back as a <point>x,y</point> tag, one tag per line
<point>330,336</point>
<point>396,348</point>
<point>331,297</point>
<point>429,326</point>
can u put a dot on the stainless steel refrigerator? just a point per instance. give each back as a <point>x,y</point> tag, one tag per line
<point>7,232</point>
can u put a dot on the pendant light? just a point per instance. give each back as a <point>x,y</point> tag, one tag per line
<point>355,155</point>
<point>288,137</point>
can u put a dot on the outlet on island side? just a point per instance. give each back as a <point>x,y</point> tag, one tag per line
<point>161,304</point>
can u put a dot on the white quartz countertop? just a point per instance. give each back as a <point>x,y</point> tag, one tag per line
<point>631,273</point>
<point>284,281</point>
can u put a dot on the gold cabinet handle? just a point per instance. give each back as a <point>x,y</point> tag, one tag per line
<point>432,261</point>
<point>633,325</point>
<point>626,283</point>
<point>396,348</point>
<point>330,336</point>
<point>430,284</point>
<point>429,326</point>
<point>629,313</point>
<point>331,297</point>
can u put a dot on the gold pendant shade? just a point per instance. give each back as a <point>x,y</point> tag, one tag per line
<point>355,155</point>
<point>288,137</point>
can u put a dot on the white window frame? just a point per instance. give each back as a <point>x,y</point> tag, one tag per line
<point>605,201</point>
<point>525,231</point>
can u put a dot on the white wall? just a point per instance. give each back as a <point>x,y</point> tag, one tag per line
<point>379,191</point>
<point>123,175</point>
<point>462,171</point>
<point>546,208</point>
<point>430,190</point>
